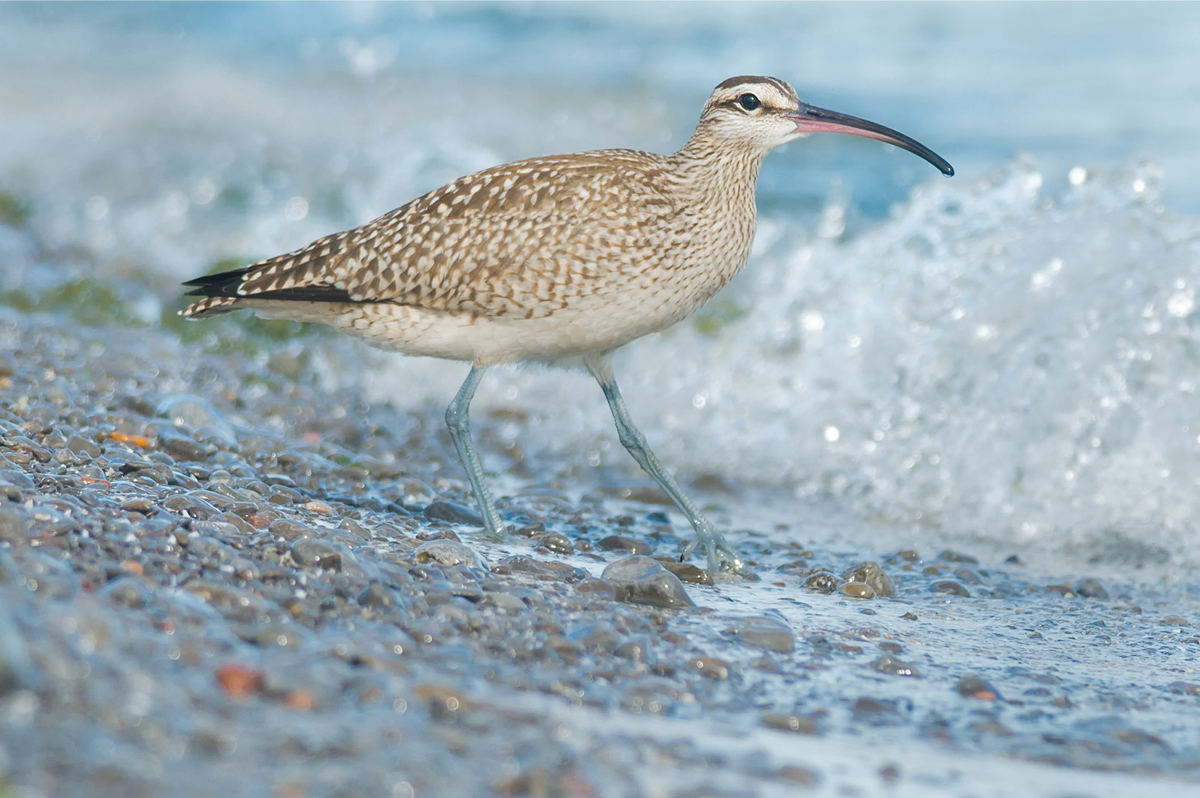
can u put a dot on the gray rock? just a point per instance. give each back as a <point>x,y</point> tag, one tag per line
<point>311,553</point>
<point>448,552</point>
<point>453,513</point>
<point>624,543</point>
<point>641,580</point>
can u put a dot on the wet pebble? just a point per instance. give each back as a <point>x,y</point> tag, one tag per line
<point>685,571</point>
<point>1091,588</point>
<point>951,587</point>
<point>310,553</point>
<point>893,667</point>
<point>876,711</point>
<point>448,552</point>
<point>869,573</point>
<point>822,582</point>
<point>598,588</point>
<point>556,543</point>
<point>857,590</point>
<point>949,555</point>
<point>765,631</point>
<point>800,724</point>
<point>452,513</point>
<point>624,543</point>
<point>1174,620</point>
<point>641,580</point>
<point>975,687</point>
<point>523,564</point>
<point>284,527</point>
<point>710,667</point>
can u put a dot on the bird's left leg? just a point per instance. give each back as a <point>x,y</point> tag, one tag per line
<point>634,442</point>
<point>458,420</point>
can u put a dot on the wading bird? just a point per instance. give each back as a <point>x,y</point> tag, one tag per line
<point>561,260</point>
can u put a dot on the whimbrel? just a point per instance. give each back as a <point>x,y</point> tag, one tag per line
<point>561,260</point>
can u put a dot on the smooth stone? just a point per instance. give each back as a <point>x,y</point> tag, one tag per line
<point>288,529</point>
<point>591,586</point>
<point>857,590</point>
<point>452,513</point>
<point>190,506</point>
<point>448,552</point>
<point>686,571</point>
<point>800,724</point>
<point>894,667</point>
<point>1091,588</point>
<point>822,582</point>
<point>642,580</point>
<point>710,667</point>
<point>17,479</point>
<point>876,711</point>
<point>869,573</point>
<point>556,543</point>
<point>504,601</point>
<point>524,564</point>
<point>311,553</point>
<point>80,445</point>
<point>624,543</point>
<point>949,555</point>
<point>951,587</point>
<point>1173,620</point>
<point>767,632</point>
<point>967,576</point>
<point>974,687</point>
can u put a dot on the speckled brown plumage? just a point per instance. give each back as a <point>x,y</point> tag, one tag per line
<point>634,240</point>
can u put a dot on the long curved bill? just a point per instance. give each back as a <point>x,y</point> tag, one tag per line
<point>811,119</point>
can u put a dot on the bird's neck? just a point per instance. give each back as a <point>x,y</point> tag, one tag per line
<point>713,172</point>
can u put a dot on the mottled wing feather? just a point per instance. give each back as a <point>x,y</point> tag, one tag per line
<point>520,239</point>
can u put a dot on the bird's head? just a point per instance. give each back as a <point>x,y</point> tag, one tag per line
<point>764,113</point>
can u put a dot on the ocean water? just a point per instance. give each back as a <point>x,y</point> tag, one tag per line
<point>1009,356</point>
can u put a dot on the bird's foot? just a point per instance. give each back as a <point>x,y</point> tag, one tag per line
<point>718,551</point>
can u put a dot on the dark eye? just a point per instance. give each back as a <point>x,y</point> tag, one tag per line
<point>749,102</point>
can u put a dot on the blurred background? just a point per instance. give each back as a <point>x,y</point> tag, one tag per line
<point>1010,355</point>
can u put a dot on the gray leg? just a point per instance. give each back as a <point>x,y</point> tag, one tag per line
<point>459,421</point>
<point>635,443</point>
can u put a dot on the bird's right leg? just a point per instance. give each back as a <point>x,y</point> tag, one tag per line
<point>715,545</point>
<point>459,421</point>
